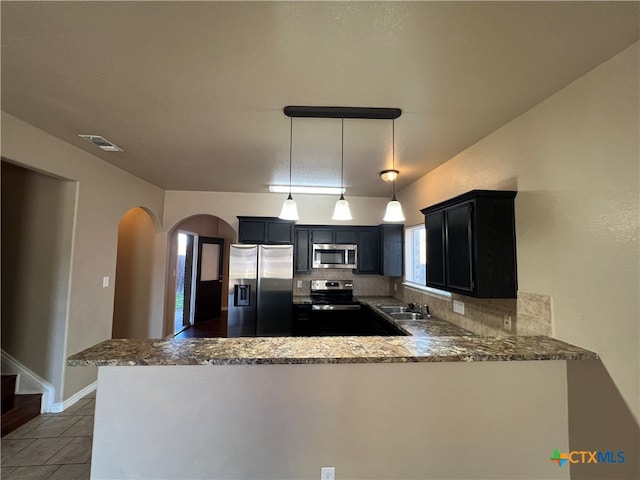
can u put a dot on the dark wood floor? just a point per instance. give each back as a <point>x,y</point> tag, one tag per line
<point>216,327</point>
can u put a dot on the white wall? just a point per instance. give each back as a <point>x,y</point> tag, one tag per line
<point>105,193</point>
<point>450,420</point>
<point>574,160</point>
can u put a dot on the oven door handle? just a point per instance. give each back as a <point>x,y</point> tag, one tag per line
<point>335,307</point>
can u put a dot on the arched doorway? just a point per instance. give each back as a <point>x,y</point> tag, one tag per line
<point>190,242</point>
<point>133,312</point>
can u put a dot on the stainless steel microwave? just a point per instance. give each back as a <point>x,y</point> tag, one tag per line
<point>328,255</point>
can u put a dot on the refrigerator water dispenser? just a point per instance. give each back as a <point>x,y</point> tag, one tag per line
<point>242,295</point>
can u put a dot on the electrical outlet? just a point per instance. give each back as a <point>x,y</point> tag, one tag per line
<point>458,307</point>
<point>506,324</point>
<point>395,287</point>
<point>328,473</point>
<point>299,284</point>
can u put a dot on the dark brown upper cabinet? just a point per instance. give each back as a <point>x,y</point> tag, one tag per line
<point>265,230</point>
<point>471,244</point>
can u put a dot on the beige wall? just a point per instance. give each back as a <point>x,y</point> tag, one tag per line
<point>450,420</point>
<point>574,160</point>
<point>133,306</point>
<point>105,194</point>
<point>37,230</point>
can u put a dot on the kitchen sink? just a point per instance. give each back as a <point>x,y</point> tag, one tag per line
<point>392,308</point>
<point>406,315</point>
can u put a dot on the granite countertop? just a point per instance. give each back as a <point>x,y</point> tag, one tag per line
<point>429,340</point>
<point>325,350</point>
<point>301,299</point>
<point>431,326</point>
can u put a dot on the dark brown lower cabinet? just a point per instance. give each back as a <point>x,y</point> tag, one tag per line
<point>363,322</point>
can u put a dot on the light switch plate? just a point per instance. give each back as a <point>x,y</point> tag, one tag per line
<point>458,307</point>
<point>328,473</point>
<point>105,282</point>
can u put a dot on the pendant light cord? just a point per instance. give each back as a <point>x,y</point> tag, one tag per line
<point>393,156</point>
<point>342,164</point>
<point>290,154</point>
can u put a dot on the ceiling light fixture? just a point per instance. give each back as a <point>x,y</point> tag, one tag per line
<point>342,210</point>
<point>375,113</point>
<point>289,207</point>
<point>306,189</point>
<point>389,175</point>
<point>394,209</point>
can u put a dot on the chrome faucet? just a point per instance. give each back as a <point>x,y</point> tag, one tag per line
<point>419,308</point>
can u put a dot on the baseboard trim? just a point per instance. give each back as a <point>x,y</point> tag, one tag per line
<point>28,381</point>
<point>73,399</point>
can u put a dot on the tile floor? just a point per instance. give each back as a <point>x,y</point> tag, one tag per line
<point>53,446</point>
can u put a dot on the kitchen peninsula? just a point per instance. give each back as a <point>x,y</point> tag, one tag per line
<point>373,407</point>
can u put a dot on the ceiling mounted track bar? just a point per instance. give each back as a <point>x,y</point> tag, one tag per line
<point>342,112</point>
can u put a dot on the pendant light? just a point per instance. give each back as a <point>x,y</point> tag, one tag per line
<point>289,207</point>
<point>342,210</point>
<point>394,209</point>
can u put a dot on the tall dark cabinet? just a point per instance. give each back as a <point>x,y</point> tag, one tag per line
<point>302,250</point>
<point>368,250</point>
<point>471,244</point>
<point>391,250</point>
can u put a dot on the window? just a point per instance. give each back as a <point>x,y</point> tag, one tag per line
<point>415,255</point>
<point>415,258</point>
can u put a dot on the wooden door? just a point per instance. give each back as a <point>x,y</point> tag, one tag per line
<point>208,304</point>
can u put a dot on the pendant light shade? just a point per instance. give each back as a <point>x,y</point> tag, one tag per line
<point>289,207</point>
<point>342,210</point>
<point>394,211</point>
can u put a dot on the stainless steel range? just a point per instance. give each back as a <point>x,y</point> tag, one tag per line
<point>328,295</point>
<point>334,311</point>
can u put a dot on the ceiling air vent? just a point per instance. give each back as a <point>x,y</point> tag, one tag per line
<point>101,142</point>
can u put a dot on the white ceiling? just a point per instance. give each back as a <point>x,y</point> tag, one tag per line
<point>194,92</point>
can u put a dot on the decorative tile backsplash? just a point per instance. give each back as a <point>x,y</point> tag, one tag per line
<point>363,285</point>
<point>534,314</point>
<point>529,314</point>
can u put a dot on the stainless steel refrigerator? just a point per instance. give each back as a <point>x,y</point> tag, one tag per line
<point>260,290</point>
